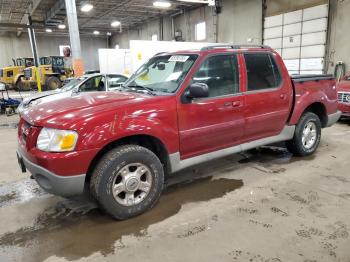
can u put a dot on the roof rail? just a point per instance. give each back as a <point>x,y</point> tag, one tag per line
<point>210,47</point>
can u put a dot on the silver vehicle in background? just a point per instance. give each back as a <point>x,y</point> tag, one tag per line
<point>85,83</point>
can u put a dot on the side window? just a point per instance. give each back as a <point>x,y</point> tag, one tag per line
<point>114,81</point>
<point>221,75</point>
<point>93,84</point>
<point>262,71</point>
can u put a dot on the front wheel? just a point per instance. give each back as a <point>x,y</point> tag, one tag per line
<point>127,181</point>
<point>307,135</point>
<point>53,83</point>
<point>20,86</point>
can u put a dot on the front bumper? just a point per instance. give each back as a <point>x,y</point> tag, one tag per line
<point>58,185</point>
<point>345,109</point>
<point>333,118</point>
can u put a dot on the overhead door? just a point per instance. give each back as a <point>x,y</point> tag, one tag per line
<point>300,37</point>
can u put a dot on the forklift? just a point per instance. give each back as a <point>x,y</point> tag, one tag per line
<point>12,75</point>
<point>52,72</point>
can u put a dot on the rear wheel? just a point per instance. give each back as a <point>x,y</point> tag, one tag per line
<point>53,83</point>
<point>127,181</point>
<point>307,135</point>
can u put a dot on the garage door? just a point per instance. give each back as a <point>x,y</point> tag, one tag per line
<point>300,37</point>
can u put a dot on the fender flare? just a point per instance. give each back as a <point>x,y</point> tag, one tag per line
<point>18,77</point>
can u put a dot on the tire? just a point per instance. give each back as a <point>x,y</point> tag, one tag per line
<point>117,169</point>
<point>21,87</point>
<point>53,83</point>
<point>300,146</point>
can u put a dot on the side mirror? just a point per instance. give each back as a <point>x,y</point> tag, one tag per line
<point>198,90</point>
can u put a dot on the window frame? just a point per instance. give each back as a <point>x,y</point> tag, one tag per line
<point>205,31</point>
<point>272,58</point>
<point>155,35</point>
<point>216,97</point>
<point>89,79</point>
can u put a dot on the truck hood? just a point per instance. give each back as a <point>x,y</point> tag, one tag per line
<point>66,111</point>
<point>37,96</point>
<point>343,85</point>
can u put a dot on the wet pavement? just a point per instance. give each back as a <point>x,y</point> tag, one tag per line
<point>262,205</point>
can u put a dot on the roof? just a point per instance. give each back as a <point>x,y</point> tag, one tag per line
<point>221,48</point>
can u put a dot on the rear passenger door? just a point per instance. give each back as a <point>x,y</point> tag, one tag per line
<point>215,122</point>
<point>268,98</point>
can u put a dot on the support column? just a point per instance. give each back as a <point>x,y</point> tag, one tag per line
<point>34,51</point>
<point>77,61</point>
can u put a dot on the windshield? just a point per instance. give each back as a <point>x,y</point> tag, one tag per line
<point>58,61</point>
<point>45,60</point>
<point>162,73</point>
<point>73,83</point>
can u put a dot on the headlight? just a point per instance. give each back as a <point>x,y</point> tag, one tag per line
<point>55,140</point>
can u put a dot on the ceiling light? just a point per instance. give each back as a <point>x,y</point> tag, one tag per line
<point>108,33</point>
<point>86,7</point>
<point>48,30</point>
<point>115,23</point>
<point>196,1</point>
<point>62,26</point>
<point>96,32</point>
<point>161,4</point>
<point>209,2</point>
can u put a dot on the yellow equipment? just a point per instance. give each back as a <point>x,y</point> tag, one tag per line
<point>52,73</point>
<point>12,75</point>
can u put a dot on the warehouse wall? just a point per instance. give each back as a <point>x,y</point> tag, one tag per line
<point>276,7</point>
<point>239,29</point>
<point>240,22</point>
<point>339,37</point>
<point>13,46</point>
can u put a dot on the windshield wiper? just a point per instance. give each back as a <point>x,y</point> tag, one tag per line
<point>148,89</point>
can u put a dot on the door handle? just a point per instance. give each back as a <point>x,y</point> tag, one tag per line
<point>283,96</point>
<point>236,103</point>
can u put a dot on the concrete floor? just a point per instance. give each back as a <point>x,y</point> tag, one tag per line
<point>264,205</point>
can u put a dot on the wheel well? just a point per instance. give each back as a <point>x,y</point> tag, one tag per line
<point>149,142</point>
<point>320,111</point>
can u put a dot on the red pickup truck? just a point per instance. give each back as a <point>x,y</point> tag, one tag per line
<point>343,88</point>
<point>179,109</point>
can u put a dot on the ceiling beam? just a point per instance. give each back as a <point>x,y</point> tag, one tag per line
<point>33,5</point>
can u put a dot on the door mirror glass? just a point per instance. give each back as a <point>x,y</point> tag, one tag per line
<point>198,90</point>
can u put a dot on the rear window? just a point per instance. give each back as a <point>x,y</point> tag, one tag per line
<point>262,71</point>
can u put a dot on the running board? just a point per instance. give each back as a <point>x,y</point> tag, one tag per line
<point>177,164</point>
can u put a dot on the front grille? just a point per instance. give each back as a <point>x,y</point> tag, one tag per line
<point>27,73</point>
<point>344,97</point>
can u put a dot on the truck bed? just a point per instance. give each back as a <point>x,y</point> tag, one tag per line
<point>314,89</point>
<point>303,78</point>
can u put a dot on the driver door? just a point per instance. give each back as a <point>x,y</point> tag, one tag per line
<point>215,122</point>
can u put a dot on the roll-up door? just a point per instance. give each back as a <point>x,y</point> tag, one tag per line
<point>300,38</point>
